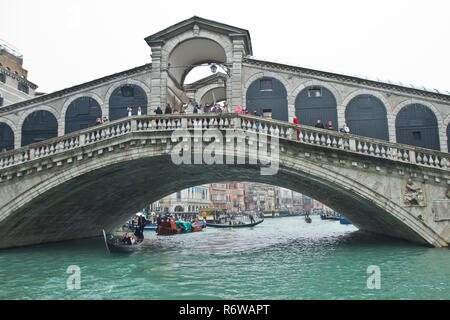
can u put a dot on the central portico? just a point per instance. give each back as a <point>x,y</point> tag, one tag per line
<point>190,43</point>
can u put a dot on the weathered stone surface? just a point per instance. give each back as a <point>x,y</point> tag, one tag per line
<point>77,191</point>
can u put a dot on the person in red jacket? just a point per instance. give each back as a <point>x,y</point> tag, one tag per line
<point>298,131</point>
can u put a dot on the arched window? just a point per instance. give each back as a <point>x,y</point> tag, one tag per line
<point>314,103</point>
<point>38,126</point>
<point>268,93</point>
<point>129,95</point>
<point>448,138</point>
<point>6,137</point>
<point>417,125</point>
<point>82,113</point>
<point>366,116</point>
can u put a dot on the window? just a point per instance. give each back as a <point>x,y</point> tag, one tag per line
<point>266,85</point>
<point>127,91</point>
<point>314,92</point>
<point>3,77</point>
<point>22,87</point>
<point>417,135</point>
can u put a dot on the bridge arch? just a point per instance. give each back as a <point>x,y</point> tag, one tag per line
<point>366,115</point>
<point>417,125</point>
<point>128,171</point>
<point>38,125</point>
<point>127,95</point>
<point>204,90</point>
<point>316,102</point>
<point>432,107</point>
<point>188,51</point>
<point>6,136</point>
<point>268,92</point>
<point>217,93</point>
<point>81,113</point>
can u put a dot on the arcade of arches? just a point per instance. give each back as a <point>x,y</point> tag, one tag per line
<point>415,124</point>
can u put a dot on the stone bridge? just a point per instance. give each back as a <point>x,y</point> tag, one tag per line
<point>73,186</point>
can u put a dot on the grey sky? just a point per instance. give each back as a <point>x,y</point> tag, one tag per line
<point>65,43</point>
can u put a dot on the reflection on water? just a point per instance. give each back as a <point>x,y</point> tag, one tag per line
<point>282,258</point>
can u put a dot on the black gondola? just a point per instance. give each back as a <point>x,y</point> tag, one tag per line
<point>246,225</point>
<point>113,244</point>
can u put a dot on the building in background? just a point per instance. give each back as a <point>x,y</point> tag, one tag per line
<point>235,196</point>
<point>187,200</point>
<point>14,85</point>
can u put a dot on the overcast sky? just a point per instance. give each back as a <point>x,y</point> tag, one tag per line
<point>65,43</point>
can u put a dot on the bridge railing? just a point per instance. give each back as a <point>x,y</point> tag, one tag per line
<point>348,142</point>
<point>299,133</point>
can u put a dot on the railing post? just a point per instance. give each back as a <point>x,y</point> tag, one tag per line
<point>412,156</point>
<point>237,123</point>
<point>184,123</point>
<point>352,144</point>
<point>133,125</point>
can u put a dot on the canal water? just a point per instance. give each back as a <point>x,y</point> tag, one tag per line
<point>282,258</point>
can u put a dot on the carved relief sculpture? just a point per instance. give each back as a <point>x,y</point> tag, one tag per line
<point>414,195</point>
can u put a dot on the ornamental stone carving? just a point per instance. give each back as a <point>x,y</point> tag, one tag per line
<point>414,195</point>
<point>196,30</point>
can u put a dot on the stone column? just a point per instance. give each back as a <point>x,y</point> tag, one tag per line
<point>158,87</point>
<point>234,86</point>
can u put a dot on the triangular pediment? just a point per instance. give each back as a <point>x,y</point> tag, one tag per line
<point>191,23</point>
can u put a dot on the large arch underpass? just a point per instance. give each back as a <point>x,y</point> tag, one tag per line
<point>105,184</point>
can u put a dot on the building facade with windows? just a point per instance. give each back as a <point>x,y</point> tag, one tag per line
<point>14,85</point>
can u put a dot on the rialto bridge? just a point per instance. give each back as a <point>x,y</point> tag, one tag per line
<point>74,186</point>
<point>62,178</point>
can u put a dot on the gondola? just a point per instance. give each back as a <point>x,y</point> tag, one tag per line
<point>247,225</point>
<point>308,219</point>
<point>113,244</point>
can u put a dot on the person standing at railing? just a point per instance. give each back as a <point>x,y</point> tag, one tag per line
<point>130,111</point>
<point>225,108</point>
<point>98,121</point>
<point>298,131</point>
<point>4,151</point>
<point>139,112</point>
<point>168,109</point>
<point>319,125</point>
<point>344,129</point>
<point>158,110</point>
<point>330,125</point>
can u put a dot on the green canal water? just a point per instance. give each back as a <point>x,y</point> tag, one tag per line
<point>282,258</point>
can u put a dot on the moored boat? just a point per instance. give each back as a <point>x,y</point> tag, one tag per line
<point>115,243</point>
<point>231,225</point>
<point>169,227</point>
<point>344,221</point>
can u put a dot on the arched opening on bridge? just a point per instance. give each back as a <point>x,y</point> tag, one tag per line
<point>314,103</point>
<point>82,113</point>
<point>38,126</point>
<point>417,125</point>
<point>129,95</point>
<point>213,96</point>
<point>268,93</point>
<point>366,115</point>
<point>6,137</point>
<point>191,53</point>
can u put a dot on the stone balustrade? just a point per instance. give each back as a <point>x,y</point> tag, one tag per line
<point>299,133</point>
